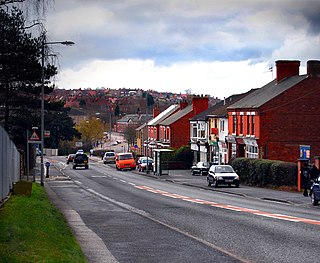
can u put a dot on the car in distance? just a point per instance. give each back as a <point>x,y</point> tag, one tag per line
<point>222,174</point>
<point>142,166</point>
<point>109,157</point>
<point>201,168</point>
<point>81,160</point>
<point>125,161</point>
<point>139,161</point>
<point>70,158</point>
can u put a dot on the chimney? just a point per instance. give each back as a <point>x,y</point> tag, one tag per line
<point>287,68</point>
<point>156,111</point>
<point>313,68</point>
<point>183,104</point>
<point>199,104</point>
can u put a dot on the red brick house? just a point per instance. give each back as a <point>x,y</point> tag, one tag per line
<point>273,121</point>
<point>175,130</point>
<point>153,130</point>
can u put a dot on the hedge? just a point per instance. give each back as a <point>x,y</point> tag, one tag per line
<point>262,172</point>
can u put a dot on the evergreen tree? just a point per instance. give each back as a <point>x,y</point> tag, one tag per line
<point>20,80</point>
<point>117,111</point>
<point>20,75</point>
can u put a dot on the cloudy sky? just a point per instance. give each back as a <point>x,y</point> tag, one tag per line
<point>207,46</point>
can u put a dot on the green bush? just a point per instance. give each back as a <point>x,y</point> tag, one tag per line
<point>284,173</point>
<point>262,172</point>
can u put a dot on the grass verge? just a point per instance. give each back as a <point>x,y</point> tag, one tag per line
<point>33,230</point>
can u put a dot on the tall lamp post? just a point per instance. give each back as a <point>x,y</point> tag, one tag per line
<point>147,117</point>
<point>44,44</point>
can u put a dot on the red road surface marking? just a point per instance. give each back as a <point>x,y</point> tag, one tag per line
<point>230,207</point>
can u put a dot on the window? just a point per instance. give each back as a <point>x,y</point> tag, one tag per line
<point>201,130</point>
<point>168,134</point>
<point>248,124</point>
<point>251,151</point>
<point>234,128</point>
<point>194,130</point>
<point>222,125</point>
<point>252,125</point>
<point>241,124</point>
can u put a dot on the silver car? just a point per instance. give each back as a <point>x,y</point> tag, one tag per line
<point>109,157</point>
<point>222,174</point>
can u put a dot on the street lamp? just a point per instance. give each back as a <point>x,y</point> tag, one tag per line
<point>44,44</point>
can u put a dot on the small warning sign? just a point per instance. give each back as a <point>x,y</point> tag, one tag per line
<point>34,137</point>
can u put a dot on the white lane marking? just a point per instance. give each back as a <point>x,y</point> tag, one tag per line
<point>147,215</point>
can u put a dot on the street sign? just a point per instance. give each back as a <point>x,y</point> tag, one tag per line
<point>305,152</point>
<point>46,134</point>
<point>34,137</point>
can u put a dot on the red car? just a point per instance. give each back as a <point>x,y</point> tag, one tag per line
<point>70,158</point>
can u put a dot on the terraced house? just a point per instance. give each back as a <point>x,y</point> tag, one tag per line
<point>273,121</point>
<point>209,131</point>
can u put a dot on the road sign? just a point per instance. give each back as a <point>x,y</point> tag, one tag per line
<point>34,137</point>
<point>305,152</point>
<point>46,134</point>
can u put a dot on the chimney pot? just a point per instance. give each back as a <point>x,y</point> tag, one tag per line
<point>313,68</point>
<point>287,68</point>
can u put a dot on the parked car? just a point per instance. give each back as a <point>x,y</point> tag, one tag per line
<point>315,191</point>
<point>80,151</point>
<point>109,157</point>
<point>143,164</point>
<point>81,160</point>
<point>222,174</point>
<point>139,161</point>
<point>125,161</point>
<point>70,158</point>
<point>201,168</point>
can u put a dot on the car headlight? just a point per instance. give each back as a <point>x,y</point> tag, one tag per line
<point>220,178</point>
<point>236,177</point>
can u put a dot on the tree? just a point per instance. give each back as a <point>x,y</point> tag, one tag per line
<point>21,82</point>
<point>60,125</point>
<point>92,131</point>
<point>20,75</point>
<point>150,100</point>
<point>117,111</point>
<point>130,135</point>
<point>82,103</point>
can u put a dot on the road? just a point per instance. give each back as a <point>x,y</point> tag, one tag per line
<point>141,219</point>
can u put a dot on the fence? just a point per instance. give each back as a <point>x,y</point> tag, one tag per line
<point>9,164</point>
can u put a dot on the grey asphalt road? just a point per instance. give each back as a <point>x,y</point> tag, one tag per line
<point>144,219</point>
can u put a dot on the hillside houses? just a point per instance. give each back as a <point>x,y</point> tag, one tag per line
<point>104,101</point>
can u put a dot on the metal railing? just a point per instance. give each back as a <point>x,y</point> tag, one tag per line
<point>9,164</point>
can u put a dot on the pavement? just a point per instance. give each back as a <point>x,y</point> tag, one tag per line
<point>92,245</point>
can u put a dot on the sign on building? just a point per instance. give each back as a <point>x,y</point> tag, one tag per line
<point>305,152</point>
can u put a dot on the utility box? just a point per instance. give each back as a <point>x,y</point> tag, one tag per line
<point>160,157</point>
<point>22,188</point>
